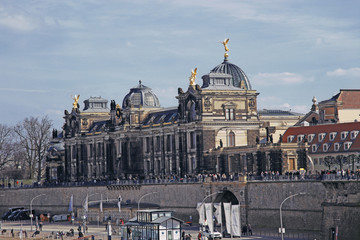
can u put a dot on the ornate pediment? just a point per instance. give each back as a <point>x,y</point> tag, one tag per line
<point>229,105</point>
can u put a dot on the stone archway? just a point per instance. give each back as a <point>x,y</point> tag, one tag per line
<point>225,196</point>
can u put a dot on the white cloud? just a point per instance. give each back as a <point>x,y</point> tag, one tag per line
<point>351,72</point>
<point>284,106</point>
<point>266,79</point>
<point>22,90</point>
<point>16,22</point>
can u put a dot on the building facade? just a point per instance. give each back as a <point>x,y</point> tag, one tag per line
<point>330,146</point>
<point>142,139</point>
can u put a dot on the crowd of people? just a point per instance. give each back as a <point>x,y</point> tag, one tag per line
<point>337,174</point>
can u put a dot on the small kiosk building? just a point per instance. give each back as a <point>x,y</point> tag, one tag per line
<point>152,225</point>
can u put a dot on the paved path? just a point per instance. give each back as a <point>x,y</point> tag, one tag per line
<point>50,229</point>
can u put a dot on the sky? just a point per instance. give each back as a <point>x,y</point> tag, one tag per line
<point>51,50</point>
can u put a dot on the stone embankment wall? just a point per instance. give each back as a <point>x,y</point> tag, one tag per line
<point>325,204</point>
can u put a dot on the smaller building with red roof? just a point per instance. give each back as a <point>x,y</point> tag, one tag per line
<point>330,146</point>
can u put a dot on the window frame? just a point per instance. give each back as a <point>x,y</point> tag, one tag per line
<point>321,137</point>
<point>300,138</point>
<point>344,135</point>
<point>314,148</point>
<point>354,134</point>
<point>347,146</point>
<point>231,139</point>
<point>311,137</point>
<point>326,147</point>
<point>332,136</point>
<point>290,138</point>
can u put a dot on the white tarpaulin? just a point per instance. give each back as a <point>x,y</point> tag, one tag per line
<point>235,220</point>
<point>209,216</point>
<point>200,209</point>
<point>217,213</point>
<point>86,204</point>
<point>227,211</point>
<point>70,209</point>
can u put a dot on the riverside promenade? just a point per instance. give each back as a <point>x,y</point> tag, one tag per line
<point>51,230</point>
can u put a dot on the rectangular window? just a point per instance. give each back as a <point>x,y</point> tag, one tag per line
<point>98,153</point>
<point>91,150</point>
<point>314,148</point>
<point>168,143</point>
<point>321,136</point>
<point>311,137</point>
<point>332,136</point>
<point>291,138</point>
<point>74,152</point>
<point>147,144</point>
<point>347,145</point>
<point>192,139</point>
<point>227,114</point>
<point>230,114</point>
<point>300,138</point>
<point>336,146</point>
<point>344,135</point>
<point>325,147</point>
<point>353,134</point>
<point>158,145</point>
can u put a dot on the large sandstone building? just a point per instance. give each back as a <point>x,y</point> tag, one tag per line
<point>215,128</point>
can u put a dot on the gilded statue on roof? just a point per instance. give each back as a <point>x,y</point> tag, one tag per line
<point>76,100</point>
<point>192,77</point>
<point>225,42</point>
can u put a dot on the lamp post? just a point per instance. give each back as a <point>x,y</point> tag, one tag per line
<point>209,196</point>
<point>31,214</point>
<point>143,197</point>
<point>203,201</point>
<point>281,222</point>
<point>86,209</point>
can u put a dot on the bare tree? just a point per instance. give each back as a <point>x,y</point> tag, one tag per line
<point>34,135</point>
<point>6,145</point>
<point>329,161</point>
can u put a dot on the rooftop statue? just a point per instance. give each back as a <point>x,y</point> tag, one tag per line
<point>192,77</point>
<point>76,100</point>
<point>225,42</point>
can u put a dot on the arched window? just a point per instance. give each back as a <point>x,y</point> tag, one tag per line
<point>231,141</point>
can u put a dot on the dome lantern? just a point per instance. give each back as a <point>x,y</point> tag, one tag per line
<point>141,96</point>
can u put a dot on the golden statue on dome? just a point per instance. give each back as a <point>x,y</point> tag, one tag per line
<point>76,100</point>
<point>192,77</point>
<point>225,42</point>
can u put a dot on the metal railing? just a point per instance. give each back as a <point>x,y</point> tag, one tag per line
<point>199,179</point>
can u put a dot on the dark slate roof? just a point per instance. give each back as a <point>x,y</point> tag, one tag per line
<point>327,129</point>
<point>276,112</point>
<point>167,116</point>
<point>332,99</point>
<point>237,73</point>
<point>98,126</point>
<point>56,146</point>
<point>141,96</point>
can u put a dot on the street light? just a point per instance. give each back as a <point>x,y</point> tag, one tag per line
<point>31,214</point>
<point>143,197</point>
<point>203,201</point>
<point>281,223</point>
<point>209,196</point>
<point>86,209</point>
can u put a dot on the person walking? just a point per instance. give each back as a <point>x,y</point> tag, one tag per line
<point>249,229</point>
